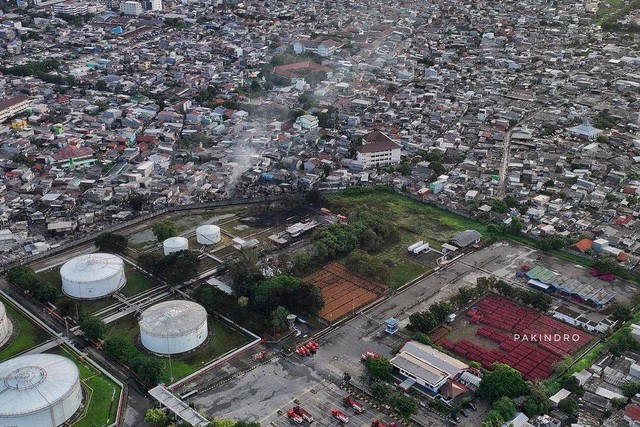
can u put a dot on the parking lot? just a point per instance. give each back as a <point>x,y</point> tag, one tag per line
<point>273,387</point>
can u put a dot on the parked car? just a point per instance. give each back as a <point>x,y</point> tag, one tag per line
<point>472,406</point>
<point>464,412</point>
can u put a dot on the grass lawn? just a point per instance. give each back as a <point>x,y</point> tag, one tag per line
<point>223,340</point>
<point>610,8</point>
<point>103,402</point>
<point>415,221</point>
<point>238,228</point>
<point>136,283</point>
<point>28,334</point>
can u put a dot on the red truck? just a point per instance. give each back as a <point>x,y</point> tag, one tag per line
<point>370,354</point>
<point>303,413</point>
<point>350,401</point>
<point>295,417</point>
<point>340,415</point>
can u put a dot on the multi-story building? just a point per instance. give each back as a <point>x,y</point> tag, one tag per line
<point>71,8</point>
<point>378,149</point>
<point>152,5</point>
<point>131,8</point>
<point>13,106</point>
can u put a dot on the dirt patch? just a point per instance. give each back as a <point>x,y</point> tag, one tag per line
<point>343,292</point>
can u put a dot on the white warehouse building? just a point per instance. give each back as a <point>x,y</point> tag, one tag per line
<point>175,244</point>
<point>208,234</point>
<point>173,327</point>
<point>38,390</point>
<point>93,276</point>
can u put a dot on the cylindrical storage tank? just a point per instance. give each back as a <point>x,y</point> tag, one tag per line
<point>175,244</point>
<point>172,327</point>
<point>40,390</point>
<point>5,324</point>
<point>92,276</point>
<point>208,234</point>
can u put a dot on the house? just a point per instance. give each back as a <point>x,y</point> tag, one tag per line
<point>306,122</point>
<point>378,150</point>
<point>585,130</point>
<point>520,420</point>
<point>425,367</point>
<point>632,415</point>
<point>556,398</point>
<point>466,238</point>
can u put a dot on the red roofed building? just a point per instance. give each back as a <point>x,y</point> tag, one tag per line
<point>625,221</point>
<point>378,149</point>
<point>632,415</point>
<point>72,152</point>
<point>583,245</point>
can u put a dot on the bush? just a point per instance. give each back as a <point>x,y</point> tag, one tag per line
<point>23,277</point>
<point>111,242</point>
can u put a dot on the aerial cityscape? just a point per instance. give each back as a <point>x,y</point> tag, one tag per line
<point>266,213</point>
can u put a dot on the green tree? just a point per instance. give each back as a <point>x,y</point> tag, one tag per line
<point>441,310</point>
<point>380,368</point>
<point>247,424</point>
<point>178,267</point>
<point>137,201</point>
<point>569,406</point>
<point>502,381</point>
<point>208,297</point>
<point>505,407</point>
<point>436,168</point>
<point>630,389</point>
<point>118,348</point>
<point>572,384</point>
<point>164,229</point>
<point>93,328</point>
<point>621,311</point>
<point>23,277</point>
<point>360,262</point>
<point>405,406</point>
<point>511,201</point>
<point>607,265</point>
<point>245,272</point>
<point>494,419</point>
<point>289,292</point>
<point>111,242</point>
<point>499,206</point>
<point>423,321</point>
<point>155,417</point>
<point>222,422</point>
<point>279,319</point>
<point>46,293</point>
<point>149,370</point>
<point>404,168</point>
<point>101,85</point>
<point>380,391</point>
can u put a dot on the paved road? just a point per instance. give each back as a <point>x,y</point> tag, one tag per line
<point>506,155</point>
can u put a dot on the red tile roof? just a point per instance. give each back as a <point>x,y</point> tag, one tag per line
<point>377,141</point>
<point>633,412</point>
<point>583,245</point>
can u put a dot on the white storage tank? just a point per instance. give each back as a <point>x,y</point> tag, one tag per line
<point>172,327</point>
<point>5,324</point>
<point>92,276</point>
<point>175,244</point>
<point>208,234</point>
<point>38,390</point>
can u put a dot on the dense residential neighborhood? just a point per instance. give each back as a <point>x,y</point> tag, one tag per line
<point>499,141</point>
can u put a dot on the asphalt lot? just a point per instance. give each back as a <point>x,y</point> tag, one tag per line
<point>273,387</point>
